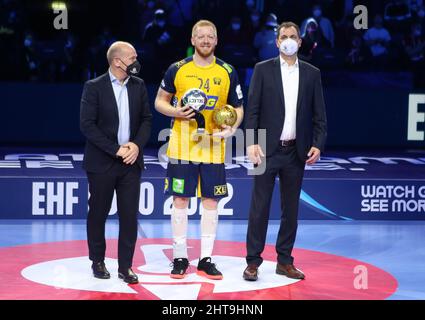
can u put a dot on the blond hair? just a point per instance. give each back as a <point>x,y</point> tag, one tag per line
<point>203,23</point>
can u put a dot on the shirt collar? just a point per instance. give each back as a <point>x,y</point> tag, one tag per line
<point>284,63</point>
<point>115,80</point>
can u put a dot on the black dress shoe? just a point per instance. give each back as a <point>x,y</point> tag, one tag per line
<point>128,276</point>
<point>100,271</point>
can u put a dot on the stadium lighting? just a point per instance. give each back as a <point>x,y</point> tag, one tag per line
<point>58,5</point>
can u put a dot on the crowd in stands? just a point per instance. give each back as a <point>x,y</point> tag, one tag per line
<point>160,31</point>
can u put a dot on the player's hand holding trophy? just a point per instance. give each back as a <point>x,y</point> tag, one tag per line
<point>224,117</point>
<point>196,99</point>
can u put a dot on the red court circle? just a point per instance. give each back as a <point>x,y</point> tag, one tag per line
<point>328,276</point>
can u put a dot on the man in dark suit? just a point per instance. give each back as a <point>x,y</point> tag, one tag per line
<point>116,120</point>
<point>285,97</point>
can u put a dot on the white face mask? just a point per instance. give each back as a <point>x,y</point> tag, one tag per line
<point>289,47</point>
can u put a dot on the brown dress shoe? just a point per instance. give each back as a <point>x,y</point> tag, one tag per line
<point>289,270</point>
<point>251,273</point>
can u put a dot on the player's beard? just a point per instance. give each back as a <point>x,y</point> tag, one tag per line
<point>205,52</point>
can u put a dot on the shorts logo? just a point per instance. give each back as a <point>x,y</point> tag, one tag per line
<point>220,190</point>
<point>178,185</point>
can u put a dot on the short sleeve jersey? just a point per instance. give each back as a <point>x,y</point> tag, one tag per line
<point>220,83</point>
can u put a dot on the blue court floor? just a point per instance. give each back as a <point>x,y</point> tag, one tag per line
<point>396,247</point>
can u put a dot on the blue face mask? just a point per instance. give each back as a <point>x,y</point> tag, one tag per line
<point>12,16</point>
<point>255,18</point>
<point>236,26</point>
<point>69,44</point>
<point>27,42</point>
<point>317,13</point>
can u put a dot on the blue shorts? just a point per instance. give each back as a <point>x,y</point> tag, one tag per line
<point>183,179</point>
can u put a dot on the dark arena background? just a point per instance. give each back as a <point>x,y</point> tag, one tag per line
<point>361,232</point>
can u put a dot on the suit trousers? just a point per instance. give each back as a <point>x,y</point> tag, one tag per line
<point>125,180</point>
<point>286,164</point>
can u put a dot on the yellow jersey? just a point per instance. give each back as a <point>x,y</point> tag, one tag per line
<point>220,83</point>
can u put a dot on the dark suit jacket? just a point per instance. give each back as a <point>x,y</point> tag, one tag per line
<point>266,106</point>
<point>99,121</point>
